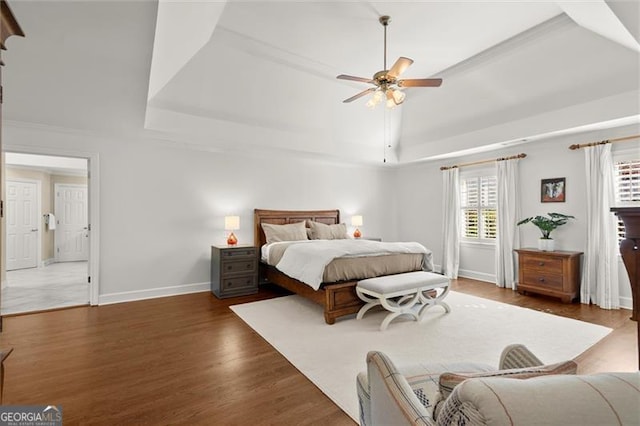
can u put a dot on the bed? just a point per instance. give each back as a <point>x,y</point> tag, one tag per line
<point>337,298</point>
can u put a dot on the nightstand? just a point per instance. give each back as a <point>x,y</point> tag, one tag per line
<point>554,273</point>
<point>234,270</point>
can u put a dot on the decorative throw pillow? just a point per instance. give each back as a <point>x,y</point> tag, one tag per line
<point>320,231</point>
<point>448,381</point>
<point>291,232</point>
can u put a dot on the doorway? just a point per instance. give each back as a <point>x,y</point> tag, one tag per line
<point>47,256</point>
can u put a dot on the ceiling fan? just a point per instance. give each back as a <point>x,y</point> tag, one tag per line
<point>386,81</point>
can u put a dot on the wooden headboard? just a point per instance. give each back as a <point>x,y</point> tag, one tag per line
<point>283,217</point>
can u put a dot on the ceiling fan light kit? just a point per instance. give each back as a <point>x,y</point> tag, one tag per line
<point>386,81</point>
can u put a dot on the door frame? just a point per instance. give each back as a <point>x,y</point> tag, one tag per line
<point>56,188</point>
<point>93,185</point>
<point>38,215</point>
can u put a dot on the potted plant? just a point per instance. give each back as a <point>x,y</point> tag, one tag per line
<point>546,225</point>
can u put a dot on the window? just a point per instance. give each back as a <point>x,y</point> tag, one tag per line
<point>626,177</point>
<point>478,200</point>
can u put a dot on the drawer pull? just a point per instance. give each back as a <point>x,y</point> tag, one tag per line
<point>249,265</point>
<point>541,264</point>
<point>229,267</point>
<point>541,280</point>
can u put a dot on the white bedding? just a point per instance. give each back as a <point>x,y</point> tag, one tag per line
<point>306,261</point>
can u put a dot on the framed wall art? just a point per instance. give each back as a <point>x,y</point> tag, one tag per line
<point>553,190</point>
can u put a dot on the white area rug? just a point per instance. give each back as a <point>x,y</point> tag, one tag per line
<point>476,330</point>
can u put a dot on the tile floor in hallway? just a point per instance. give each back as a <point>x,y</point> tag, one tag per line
<point>55,286</point>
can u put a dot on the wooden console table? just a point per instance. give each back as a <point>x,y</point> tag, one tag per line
<point>630,216</point>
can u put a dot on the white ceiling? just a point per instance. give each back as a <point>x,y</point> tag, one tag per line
<point>241,75</point>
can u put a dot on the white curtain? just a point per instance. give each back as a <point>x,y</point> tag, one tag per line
<point>600,271</point>
<point>508,216</point>
<point>451,223</point>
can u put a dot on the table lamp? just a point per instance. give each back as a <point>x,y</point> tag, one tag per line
<point>231,223</point>
<point>356,221</point>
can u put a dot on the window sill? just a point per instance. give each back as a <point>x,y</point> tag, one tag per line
<point>486,245</point>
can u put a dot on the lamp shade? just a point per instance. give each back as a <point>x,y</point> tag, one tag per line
<point>231,223</point>
<point>356,220</point>
<point>398,96</point>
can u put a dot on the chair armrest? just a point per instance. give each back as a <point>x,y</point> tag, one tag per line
<point>392,399</point>
<point>518,356</point>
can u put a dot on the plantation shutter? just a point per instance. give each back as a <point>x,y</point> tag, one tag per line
<point>489,204</point>
<point>469,200</point>
<point>478,199</point>
<point>627,186</point>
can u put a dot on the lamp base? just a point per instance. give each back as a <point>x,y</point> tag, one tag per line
<point>357,233</point>
<point>232,240</point>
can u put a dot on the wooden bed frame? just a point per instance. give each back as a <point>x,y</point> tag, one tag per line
<point>338,299</point>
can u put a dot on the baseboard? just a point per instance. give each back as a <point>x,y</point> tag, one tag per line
<point>480,276</point>
<point>153,293</point>
<point>625,302</point>
<point>47,262</point>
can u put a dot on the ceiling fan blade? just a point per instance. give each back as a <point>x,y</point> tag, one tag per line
<point>399,67</point>
<point>352,78</point>
<point>420,82</point>
<point>359,95</point>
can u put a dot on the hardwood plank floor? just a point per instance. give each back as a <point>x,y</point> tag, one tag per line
<point>190,360</point>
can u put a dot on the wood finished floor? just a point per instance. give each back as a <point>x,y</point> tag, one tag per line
<point>190,360</point>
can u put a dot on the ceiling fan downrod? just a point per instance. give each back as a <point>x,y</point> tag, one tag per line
<point>384,20</point>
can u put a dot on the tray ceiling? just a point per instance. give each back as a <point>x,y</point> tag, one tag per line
<point>240,75</point>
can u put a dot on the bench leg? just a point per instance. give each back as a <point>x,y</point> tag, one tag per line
<point>429,301</point>
<point>370,303</point>
<point>401,307</point>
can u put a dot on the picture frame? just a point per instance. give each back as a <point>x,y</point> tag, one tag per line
<point>553,190</point>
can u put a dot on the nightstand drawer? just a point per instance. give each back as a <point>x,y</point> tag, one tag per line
<point>542,263</point>
<point>239,283</point>
<point>543,279</point>
<point>239,265</point>
<point>236,253</point>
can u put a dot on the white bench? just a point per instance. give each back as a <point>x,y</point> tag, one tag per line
<point>399,293</point>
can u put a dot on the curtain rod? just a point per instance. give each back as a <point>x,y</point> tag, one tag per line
<point>473,163</point>
<point>584,145</point>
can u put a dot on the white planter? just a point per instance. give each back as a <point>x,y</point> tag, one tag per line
<point>546,244</point>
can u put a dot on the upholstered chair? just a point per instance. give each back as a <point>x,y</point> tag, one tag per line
<point>521,391</point>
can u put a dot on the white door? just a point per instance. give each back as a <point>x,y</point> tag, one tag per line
<point>71,233</point>
<point>22,225</point>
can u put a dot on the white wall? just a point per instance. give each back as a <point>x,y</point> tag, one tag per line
<point>162,205</point>
<point>420,194</point>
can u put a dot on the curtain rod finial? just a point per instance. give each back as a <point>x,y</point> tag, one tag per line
<point>574,146</point>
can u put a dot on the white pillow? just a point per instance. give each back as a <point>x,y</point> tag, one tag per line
<point>291,232</point>
<point>320,231</point>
